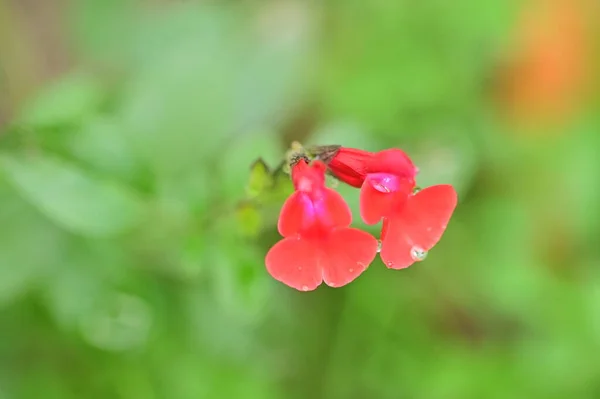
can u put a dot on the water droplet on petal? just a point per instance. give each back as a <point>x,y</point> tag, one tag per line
<point>384,183</point>
<point>350,270</point>
<point>379,246</point>
<point>381,188</point>
<point>418,253</point>
<point>389,264</point>
<point>304,288</point>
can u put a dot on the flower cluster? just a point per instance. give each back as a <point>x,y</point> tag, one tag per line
<point>319,244</point>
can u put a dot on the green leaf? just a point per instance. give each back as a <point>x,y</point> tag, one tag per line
<point>260,178</point>
<point>30,246</point>
<point>72,199</point>
<point>282,186</point>
<point>117,322</point>
<point>267,187</point>
<point>100,144</point>
<point>249,219</point>
<point>65,102</point>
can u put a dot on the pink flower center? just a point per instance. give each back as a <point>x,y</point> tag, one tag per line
<point>315,216</point>
<point>305,184</point>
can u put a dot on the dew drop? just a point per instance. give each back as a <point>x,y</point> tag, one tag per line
<point>389,264</point>
<point>304,288</point>
<point>350,270</point>
<point>381,188</point>
<point>418,253</point>
<point>378,246</point>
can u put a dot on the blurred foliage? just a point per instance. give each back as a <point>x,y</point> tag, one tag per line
<point>134,215</point>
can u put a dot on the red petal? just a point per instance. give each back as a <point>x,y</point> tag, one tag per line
<point>381,195</point>
<point>300,214</point>
<point>384,228</point>
<point>295,262</point>
<point>374,204</point>
<point>393,161</point>
<point>294,216</point>
<point>336,212</point>
<point>308,178</point>
<point>347,253</point>
<point>419,227</point>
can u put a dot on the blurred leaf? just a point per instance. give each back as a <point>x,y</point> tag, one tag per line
<point>269,185</point>
<point>448,160</point>
<point>260,178</point>
<point>267,191</point>
<point>249,218</point>
<point>70,197</point>
<point>225,316</point>
<point>185,195</point>
<point>90,268</point>
<point>104,30</point>
<point>282,185</point>
<point>30,247</point>
<point>100,144</point>
<point>240,171</point>
<point>65,102</point>
<point>117,322</point>
<point>192,255</point>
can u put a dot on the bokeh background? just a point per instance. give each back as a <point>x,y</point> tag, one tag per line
<point>133,229</point>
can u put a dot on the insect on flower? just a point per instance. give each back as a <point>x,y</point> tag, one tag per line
<point>413,223</point>
<point>318,244</point>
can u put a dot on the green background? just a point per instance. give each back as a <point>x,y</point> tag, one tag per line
<point>133,235</point>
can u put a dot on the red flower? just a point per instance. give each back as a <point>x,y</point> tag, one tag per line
<point>318,245</point>
<point>412,223</point>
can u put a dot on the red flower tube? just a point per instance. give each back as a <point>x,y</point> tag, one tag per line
<point>318,245</point>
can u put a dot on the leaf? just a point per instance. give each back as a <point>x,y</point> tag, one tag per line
<point>249,219</point>
<point>269,186</point>
<point>282,186</point>
<point>100,144</point>
<point>234,163</point>
<point>260,178</point>
<point>71,198</point>
<point>66,101</point>
<point>117,322</point>
<point>30,247</point>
